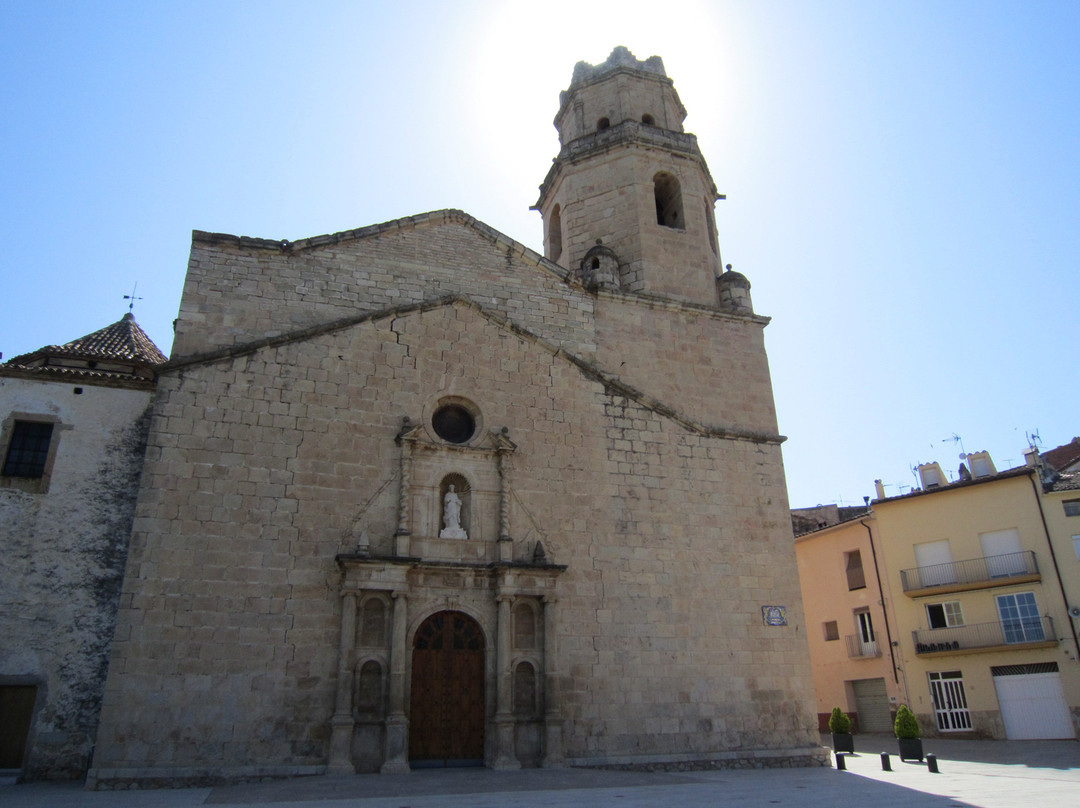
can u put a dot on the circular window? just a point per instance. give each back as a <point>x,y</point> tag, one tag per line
<point>453,423</point>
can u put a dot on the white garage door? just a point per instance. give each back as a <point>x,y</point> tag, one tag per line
<point>1032,703</point>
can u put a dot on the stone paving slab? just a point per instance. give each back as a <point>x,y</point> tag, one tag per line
<point>975,774</point>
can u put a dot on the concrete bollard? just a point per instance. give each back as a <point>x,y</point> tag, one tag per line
<point>931,764</point>
<point>841,766</point>
<point>886,766</point>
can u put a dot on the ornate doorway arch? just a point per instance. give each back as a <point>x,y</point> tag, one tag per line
<point>446,705</point>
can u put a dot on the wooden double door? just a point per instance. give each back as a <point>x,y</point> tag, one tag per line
<point>446,715</point>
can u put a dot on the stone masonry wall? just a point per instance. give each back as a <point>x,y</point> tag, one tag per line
<point>263,466</point>
<point>238,290</point>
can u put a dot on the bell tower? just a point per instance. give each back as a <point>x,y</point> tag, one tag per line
<point>628,202</point>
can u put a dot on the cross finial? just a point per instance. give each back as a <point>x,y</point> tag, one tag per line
<point>132,298</point>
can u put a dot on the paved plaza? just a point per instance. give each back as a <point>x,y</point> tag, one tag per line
<point>986,774</point>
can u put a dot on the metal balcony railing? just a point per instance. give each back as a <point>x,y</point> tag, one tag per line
<point>858,649</point>
<point>1021,631</point>
<point>990,569</point>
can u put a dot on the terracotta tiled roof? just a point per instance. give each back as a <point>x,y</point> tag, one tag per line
<point>1063,456</point>
<point>1066,481</point>
<point>123,341</point>
<point>118,352</point>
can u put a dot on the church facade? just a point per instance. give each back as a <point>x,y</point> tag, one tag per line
<point>415,495</point>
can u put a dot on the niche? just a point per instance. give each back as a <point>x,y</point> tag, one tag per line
<point>524,687</point>
<point>368,691</point>
<point>455,497</point>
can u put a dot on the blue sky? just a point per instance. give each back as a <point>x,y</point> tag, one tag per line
<point>903,179</point>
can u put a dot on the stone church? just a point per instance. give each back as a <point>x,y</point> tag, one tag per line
<point>415,495</point>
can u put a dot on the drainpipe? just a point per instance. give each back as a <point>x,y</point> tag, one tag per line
<point>881,594</point>
<point>1053,558</point>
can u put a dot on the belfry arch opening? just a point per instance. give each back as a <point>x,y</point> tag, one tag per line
<point>669,206</point>
<point>554,240</point>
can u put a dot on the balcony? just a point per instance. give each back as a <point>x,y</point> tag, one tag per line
<point>975,573</point>
<point>857,649</point>
<point>1033,632</point>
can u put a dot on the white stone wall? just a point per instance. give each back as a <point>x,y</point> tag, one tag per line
<point>63,553</point>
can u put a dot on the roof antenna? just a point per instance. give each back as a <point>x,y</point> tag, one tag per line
<point>957,439</point>
<point>132,298</point>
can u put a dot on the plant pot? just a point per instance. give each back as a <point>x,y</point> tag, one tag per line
<point>843,742</point>
<point>910,749</point>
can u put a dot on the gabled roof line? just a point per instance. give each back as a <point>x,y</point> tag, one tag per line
<point>588,369</point>
<point>516,248</point>
<point>859,517</point>
<point>1019,471</point>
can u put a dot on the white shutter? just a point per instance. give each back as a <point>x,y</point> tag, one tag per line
<point>1002,551</point>
<point>934,560</point>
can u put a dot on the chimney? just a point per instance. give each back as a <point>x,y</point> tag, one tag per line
<point>880,489</point>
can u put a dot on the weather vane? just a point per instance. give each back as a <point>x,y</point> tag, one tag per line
<point>132,298</point>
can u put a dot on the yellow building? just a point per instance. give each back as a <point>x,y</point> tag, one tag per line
<point>852,643</point>
<point>978,600</point>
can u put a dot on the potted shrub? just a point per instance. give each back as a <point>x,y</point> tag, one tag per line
<point>840,727</point>
<point>906,728</point>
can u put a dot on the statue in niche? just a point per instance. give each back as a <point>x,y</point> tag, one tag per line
<point>452,517</point>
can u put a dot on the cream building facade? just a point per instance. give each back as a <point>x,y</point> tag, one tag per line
<point>416,495</point>
<point>979,598</point>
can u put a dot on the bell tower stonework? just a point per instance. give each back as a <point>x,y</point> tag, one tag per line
<point>628,202</point>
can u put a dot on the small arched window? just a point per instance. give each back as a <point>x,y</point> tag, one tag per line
<point>648,120</point>
<point>554,239</point>
<point>669,207</point>
<point>710,223</point>
<point>602,124</point>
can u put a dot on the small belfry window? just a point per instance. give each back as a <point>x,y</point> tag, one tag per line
<point>29,449</point>
<point>555,234</point>
<point>669,207</point>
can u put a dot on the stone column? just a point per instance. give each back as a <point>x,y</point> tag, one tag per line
<point>504,716</point>
<point>553,720</point>
<point>403,533</point>
<point>505,543</point>
<point>341,725</point>
<point>397,725</point>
